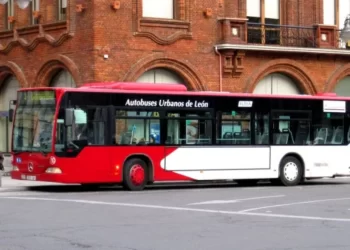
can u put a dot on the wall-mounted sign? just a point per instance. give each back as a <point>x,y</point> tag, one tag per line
<point>334,106</point>
<point>245,104</point>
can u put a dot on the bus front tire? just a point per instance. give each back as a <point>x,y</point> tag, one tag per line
<point>135,174</point>
<point>290,171</point>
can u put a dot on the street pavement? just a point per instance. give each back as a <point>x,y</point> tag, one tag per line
<point>315,215</point>
<point>9,184</point>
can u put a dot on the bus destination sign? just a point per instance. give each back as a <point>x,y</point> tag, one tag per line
<point>166,103</point>
<point>31,97</point>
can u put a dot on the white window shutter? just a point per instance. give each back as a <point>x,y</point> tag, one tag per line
<point>272,9</point>
<point>253,8</point>
<point>329,12</point>
<point>64,4</point>
<point>158,8</point>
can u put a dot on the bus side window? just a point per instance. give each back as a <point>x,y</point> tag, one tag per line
<point>262,129</point>
<point>235,127</point>
<point>93,129</point>
<point>291,127</point>
<point>329,129</point>
<point>137,127</point>
<point>189,128</point>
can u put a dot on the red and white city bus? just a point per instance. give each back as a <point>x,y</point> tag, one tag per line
<point>135,134</point>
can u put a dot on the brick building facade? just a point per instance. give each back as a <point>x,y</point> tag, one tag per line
<point>270,46</point>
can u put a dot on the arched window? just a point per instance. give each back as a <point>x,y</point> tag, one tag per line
<point>160,75</point>
<point>276,83</point>
<point>62,79</point>
<point>343,87</point>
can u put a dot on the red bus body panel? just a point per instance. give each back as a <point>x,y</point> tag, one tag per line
<point>94,165</point>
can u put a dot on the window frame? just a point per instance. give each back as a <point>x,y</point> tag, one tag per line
<point>188,116</point>
<point>35,6</point>
<point>335,14</point>
<point>294,116</point>
<point>261,29</point>
<point>222,120</point>
<point>10,11</point>
<point>167,31</point>
<point>60,15</point>
<point>175,11</point>
<point>145,119</point>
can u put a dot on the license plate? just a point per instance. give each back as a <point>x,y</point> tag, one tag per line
<point>28,177</point>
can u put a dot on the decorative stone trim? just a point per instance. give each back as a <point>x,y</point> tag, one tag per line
<point>233,63</point>
<point>11,68</point>
<point>24,36</point>
<point>55,63</point>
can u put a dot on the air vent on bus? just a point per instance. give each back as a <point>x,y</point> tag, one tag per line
<point>137,86</point>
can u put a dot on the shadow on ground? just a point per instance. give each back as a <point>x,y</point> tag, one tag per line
<point>176,186</point>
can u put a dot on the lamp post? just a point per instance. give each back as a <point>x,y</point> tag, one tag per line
<point>345,32</point>
<point>21,3</point>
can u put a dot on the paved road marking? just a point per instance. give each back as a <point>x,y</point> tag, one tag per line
<point>282,216</point>
<point>292,204</point>
<point>234,201</point>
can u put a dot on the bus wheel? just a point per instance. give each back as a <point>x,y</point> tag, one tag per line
<point>135,174</point>
<point>290,171</point>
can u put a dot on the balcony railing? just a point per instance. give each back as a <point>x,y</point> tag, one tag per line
<point>282,35</point>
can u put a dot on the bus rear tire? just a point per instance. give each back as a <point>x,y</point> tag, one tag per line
<point>291,171</point>
<point>135,174</point>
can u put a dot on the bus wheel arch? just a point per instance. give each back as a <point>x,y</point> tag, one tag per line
<point>294,162</point>
<point>140,166</point>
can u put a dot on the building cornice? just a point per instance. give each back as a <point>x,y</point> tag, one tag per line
<point>250,47</point>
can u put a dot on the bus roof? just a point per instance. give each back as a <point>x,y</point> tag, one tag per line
<point>175,89</point>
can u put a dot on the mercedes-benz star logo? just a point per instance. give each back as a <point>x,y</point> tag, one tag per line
<point>30,167</point>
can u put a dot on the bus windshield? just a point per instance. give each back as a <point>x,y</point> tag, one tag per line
<point>34,118</point>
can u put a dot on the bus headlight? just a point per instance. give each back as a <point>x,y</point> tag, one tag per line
<point>15,168</point>
<point>53,170</point>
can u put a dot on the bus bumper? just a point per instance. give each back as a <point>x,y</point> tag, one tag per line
<point>39,177</point>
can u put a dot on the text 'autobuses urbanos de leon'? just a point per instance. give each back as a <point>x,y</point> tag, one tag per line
<point>167,103</point>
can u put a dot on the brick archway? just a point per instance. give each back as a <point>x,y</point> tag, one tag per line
<point>336,76</point>
<point>54,64</point>
<point>192,79</point>
<point>11,68</point>
<point>285,66</point>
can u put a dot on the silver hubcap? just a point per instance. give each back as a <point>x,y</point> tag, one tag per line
<point>290,171</point>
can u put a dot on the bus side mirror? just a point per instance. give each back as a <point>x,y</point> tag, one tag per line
<point>69,117</point>
<point>11,111</point>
